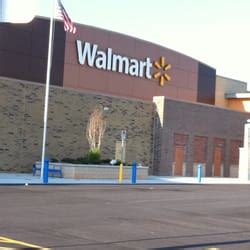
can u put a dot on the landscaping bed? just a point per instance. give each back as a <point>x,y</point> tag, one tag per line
<point>90,171</point>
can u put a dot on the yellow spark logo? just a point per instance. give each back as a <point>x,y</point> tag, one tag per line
<point>162,66</point>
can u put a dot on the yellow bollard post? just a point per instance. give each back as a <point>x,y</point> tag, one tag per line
<point>121,173</point>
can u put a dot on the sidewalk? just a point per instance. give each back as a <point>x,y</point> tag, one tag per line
<point>19,179</point>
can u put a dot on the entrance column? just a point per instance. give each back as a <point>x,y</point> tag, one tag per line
<point>227,156</point>
<point>244,161</point>
<point>210,156</point>
<point>190,156</point>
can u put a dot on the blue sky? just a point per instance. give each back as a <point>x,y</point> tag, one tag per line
<point>215,32</point>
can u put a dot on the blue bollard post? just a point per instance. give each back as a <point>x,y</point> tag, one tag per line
<point>46,171</point>
<point>199,172</point>
<point>134,168</point>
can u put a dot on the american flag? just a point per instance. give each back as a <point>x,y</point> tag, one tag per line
<point>68,24</point>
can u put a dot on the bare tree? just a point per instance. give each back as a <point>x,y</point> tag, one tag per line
<point>95,129</point>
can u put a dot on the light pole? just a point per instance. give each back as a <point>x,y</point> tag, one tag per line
<point>123,138</point>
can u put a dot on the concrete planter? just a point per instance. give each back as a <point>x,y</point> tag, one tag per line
<point>88,171</point>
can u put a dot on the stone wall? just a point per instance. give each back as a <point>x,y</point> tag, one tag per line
<point>21,124</point>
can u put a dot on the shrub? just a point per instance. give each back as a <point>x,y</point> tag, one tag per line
<point>94,156</point>
<point>68,160</point>
<point>54,160</point>
<point>81,160</point>
<point>118,162</point>
<point>105,161</point>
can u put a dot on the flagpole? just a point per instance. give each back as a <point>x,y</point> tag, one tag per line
<point>49,60</point>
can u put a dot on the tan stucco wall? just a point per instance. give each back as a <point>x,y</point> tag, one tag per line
<point>227,85</point>
<point>21,124</point>
<point>239,104</point>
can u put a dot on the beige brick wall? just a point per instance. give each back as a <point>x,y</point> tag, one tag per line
<point>21,124</point>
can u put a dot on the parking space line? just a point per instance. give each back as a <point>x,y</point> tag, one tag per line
<point>21,243</point>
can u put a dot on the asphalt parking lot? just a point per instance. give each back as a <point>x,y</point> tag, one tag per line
<point>126,217</point>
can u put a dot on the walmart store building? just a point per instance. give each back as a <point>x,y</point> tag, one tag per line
<point>177,112</point>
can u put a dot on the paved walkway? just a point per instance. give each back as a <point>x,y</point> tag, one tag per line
<point>17,178</point>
